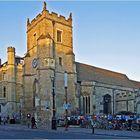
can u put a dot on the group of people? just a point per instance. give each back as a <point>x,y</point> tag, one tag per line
<point>32,120</point>
<point>4,120</point>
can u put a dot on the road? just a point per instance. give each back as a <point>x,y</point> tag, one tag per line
<point>18,132</point>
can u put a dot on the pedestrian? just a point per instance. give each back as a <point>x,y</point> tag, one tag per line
<point>4,120</point>
<point>33,122</point>
<point>92,125</point>
<point>8,118</point>
<point>28,119</point>
<point>0,119</point>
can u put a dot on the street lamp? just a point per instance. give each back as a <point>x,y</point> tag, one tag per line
<point>66,101</point>
<point>53,95</point>
<point>137,92</point>
<point>113,90</point>
<point>53,77</point>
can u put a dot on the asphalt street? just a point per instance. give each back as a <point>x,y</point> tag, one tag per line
<point>22,132</point>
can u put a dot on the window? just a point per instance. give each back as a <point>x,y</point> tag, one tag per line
<point>86,105</point>
<point>94,107</point>
<point>60,61</point>
<point>4,76</point>
<point>59,36</point>
<point>130,94</point>
<point>106,104</point>
<point>4,92</point>
<point>89,104</point>
<point>34,39</point>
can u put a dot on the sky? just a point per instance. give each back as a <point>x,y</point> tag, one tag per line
<point>106,34</point>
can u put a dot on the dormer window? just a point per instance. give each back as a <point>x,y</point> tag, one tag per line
<point>59,36</point>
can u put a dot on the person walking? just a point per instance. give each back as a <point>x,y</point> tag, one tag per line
<point>8,118</point>
<point>33,122</point>
<point>92,125</point>
<point>28,119</point>
<point>4,120</point>
<point>0,119</point>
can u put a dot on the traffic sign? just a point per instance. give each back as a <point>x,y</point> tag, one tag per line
<point>67,106</point>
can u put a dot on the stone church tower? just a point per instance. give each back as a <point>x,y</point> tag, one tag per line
<point>49,55</point>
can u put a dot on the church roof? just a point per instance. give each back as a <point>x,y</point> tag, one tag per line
<point>136,83</point>
<point>90,73</point>
<point>18,57</point>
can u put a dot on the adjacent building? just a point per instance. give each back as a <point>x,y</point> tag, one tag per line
<point>105,91</point>
<point>11,87</point>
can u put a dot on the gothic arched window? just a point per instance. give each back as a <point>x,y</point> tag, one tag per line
<point>107,104</point>
<point>4,92</point>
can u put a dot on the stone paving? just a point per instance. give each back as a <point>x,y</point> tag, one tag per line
<point>131,134</point>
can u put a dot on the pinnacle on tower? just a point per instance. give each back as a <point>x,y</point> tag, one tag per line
<point>45,5</point>
<point>70,16</point>
<point>28,21</point>
<point>0,62</point>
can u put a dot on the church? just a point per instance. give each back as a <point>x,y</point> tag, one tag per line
<point>47,81</point>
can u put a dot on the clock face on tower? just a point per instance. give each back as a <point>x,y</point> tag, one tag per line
<point>34,63</point>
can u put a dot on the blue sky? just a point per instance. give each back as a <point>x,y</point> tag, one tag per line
<point>106,34</point>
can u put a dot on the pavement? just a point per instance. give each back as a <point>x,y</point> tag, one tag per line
<point>72,129</point>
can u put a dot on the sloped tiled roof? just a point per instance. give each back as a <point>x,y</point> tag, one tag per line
<point>135,83</point>
<point>18,57</point>
<point>90,73</point>
<point>5,63</point>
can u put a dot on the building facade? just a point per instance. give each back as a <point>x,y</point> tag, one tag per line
<point>102,91</point>
<point>11,88</point>
<point>34,84</point>
<point>49,55</point>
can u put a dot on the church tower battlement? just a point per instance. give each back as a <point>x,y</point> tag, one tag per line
<point>43,23</point>
<point>50,16</point>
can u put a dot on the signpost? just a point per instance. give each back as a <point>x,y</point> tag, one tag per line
<point>67,106</point>
<point>66,102</point>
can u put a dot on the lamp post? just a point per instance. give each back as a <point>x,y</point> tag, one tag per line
<point>113,90</point>
<point>54,127</point>
<point>53,95</point>
<point>135,99</point>
<point>66,101</point>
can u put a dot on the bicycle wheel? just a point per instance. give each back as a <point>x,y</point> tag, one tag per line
<point>134,127</point>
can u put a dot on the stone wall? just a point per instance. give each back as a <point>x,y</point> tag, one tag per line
<point>122,98</point>
<point>11,84</point>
